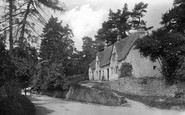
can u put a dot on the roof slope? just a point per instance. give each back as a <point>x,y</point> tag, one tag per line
<point>92,64</point>
<point>104,56</point>
<point>123,46</point>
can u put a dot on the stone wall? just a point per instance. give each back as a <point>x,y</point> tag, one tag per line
<point>92,95</point>
<point>141,86</point>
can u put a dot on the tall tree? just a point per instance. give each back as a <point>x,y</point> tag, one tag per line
<point>32,7</point>
<point>137,15</point>
<point>11,4</point>
<point>121,22</point>
<point>25,13</point>
<point>86,56</point>
<point>117,23</point>
<point>57,45</point>
<point>166,47</point>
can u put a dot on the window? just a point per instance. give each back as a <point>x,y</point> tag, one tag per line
<point>111,70</point>
<point>92,75</point>
<point>99,75</point>
<point>97,62</point>
<point>116,69</point>
<point>154,67</point>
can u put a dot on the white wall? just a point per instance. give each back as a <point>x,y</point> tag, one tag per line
<point>113,64</point>
<point>90,73</point>
<point>142,66</point>
<point>96,72</point>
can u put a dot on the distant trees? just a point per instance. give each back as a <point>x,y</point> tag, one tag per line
<point>87,55</point>
<point>121,22</point>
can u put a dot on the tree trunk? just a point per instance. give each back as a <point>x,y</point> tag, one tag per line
<point>24,23</point>
<point>10,24</point>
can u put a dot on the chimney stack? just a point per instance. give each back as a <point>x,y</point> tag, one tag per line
<point>141,31</point>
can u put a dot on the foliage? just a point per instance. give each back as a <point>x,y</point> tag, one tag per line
<point>166,47</point>
<point>121,22</point>
<point>16,105</point>
<point>7,73</point>
<point>87,55</point>
<point>126,70</point>
<point>180,73</point>
<point>174,19</point>
<point>56,53</point>
<point>49,77</point>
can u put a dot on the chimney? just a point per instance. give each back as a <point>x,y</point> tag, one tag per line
<point>141,31</point>
<point>118,37</point>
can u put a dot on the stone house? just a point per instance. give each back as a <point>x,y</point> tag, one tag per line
<point>107,63</point>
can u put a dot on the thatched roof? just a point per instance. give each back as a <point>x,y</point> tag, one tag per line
<point>104,56</point>
<point>122,48</point>
<point>92,64</point>
<point>124,45</point>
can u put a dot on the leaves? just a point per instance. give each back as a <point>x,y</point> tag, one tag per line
<point>174,19</point>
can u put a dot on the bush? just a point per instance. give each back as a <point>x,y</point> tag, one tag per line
<point>16,105</point>
<point>126,70</point>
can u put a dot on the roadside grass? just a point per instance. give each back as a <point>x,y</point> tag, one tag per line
<point>161,102</point>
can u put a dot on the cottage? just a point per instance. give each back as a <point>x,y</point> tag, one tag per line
<point>107,64</point>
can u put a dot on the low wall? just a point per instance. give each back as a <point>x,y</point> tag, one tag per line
<point>92,95</point>
<point>141,86</point>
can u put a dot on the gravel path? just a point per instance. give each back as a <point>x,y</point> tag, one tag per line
<point>54,106</point>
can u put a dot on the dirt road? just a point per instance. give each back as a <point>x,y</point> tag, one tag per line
<point>54,106</point>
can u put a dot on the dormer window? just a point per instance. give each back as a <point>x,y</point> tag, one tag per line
<point>97,62</point>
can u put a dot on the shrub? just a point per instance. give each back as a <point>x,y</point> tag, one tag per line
<point>16,105</point>
<point>126,70</point>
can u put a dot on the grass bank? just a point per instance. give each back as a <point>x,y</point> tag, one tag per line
<point>162,102</point>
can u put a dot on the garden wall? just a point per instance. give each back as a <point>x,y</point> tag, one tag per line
<point>141,86</point>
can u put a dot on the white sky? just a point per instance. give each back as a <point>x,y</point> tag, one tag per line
<point>85,17</point>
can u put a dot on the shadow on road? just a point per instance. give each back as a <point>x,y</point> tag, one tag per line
<point>40,109</point>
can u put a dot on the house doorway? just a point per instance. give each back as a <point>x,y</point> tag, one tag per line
<point>108,74</point>
<point>100,75</point>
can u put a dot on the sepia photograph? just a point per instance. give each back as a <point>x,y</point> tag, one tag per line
<point>92,57</point>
